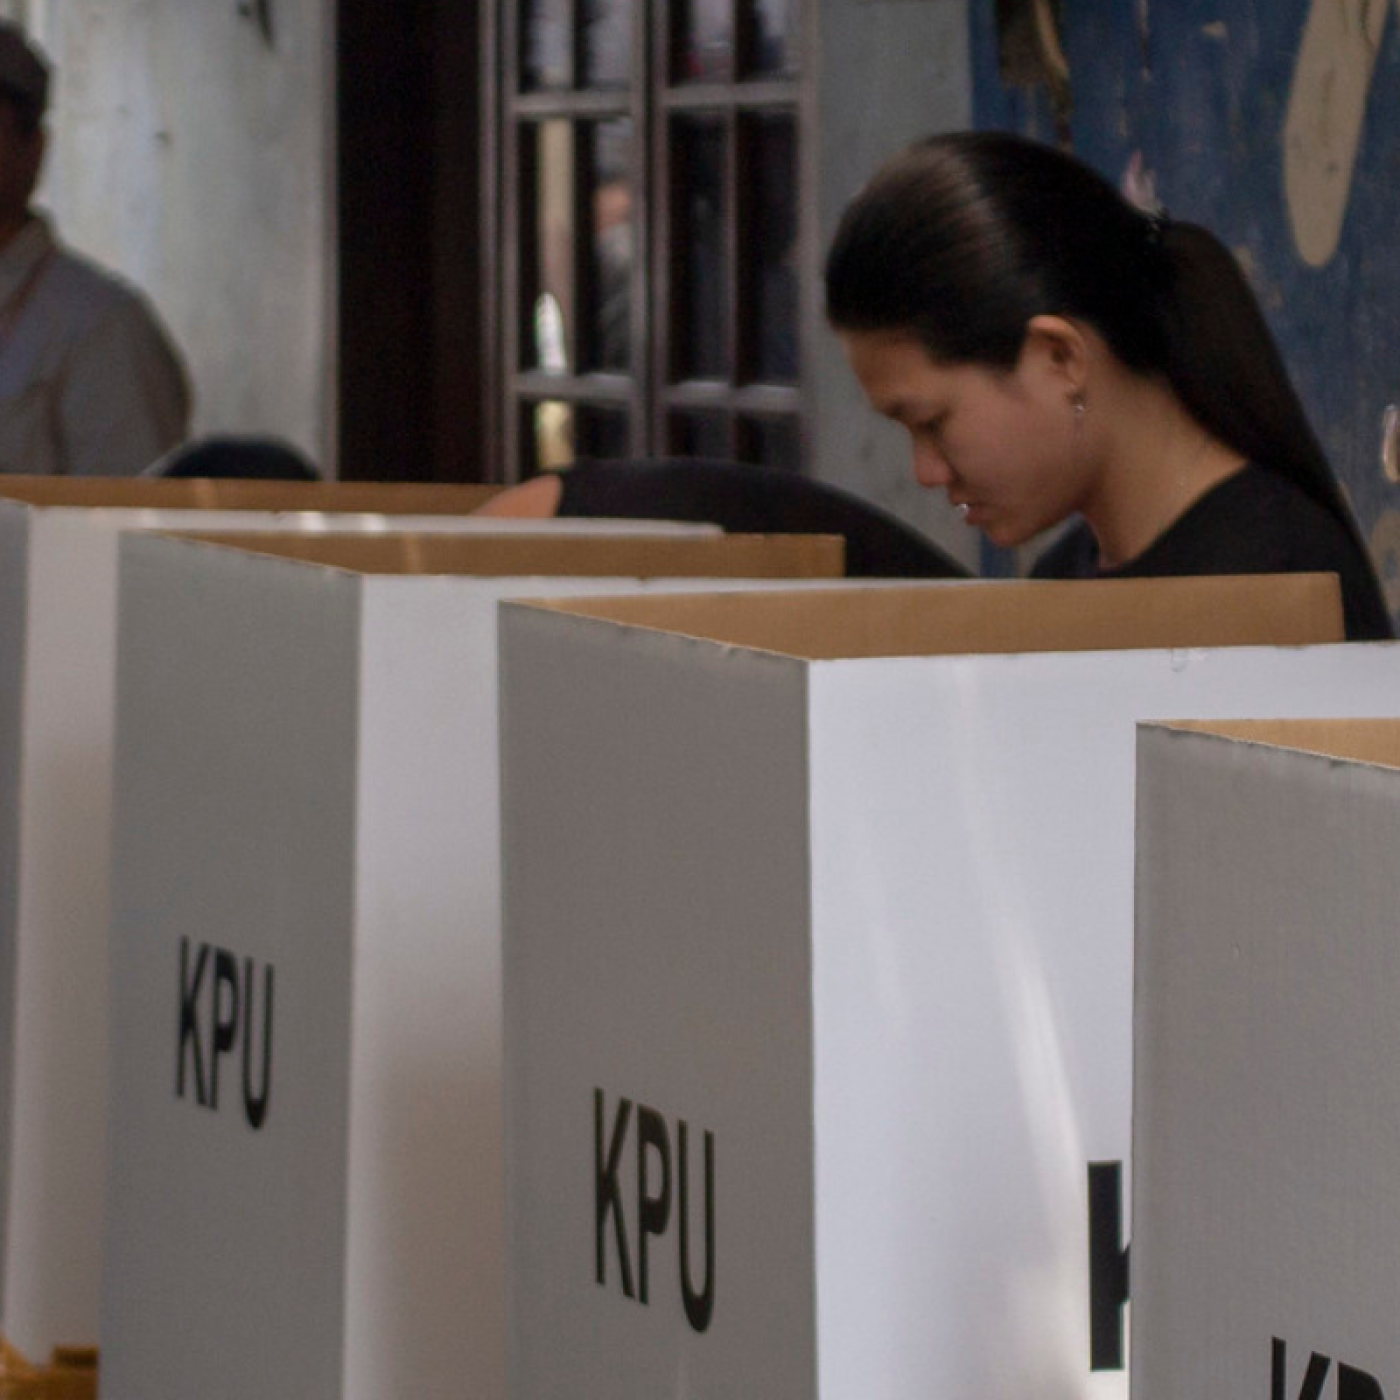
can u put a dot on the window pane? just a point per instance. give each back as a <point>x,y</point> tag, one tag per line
<point>771,442</point>
<point>550,245</point>
<point>547,43</point>
<point>699,264</point>
<point>607,42</point>
<point>703,42</point>
<point>771,278</point>
<point>773,44</point>
<point>601,432</point>
<point>612,240</point>
<point>700,435</point>
<point>546,436</point>
<point>555,433</point>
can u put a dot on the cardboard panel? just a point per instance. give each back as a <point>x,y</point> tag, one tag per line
<point>985,618</point>
<point>535,551</point>
<point>689,898</point>
<point>961,1038</point>
<point>415,951</point>
<point>14,572</point>
<point>57,676</point>
<point>239,525</point>
<point>1265,1229</point>
<point>57,651</point>
<point>233,917</point>
<point>1362,741</point>
<point>381,498</point>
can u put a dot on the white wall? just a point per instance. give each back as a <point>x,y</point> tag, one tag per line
<point>196,159</point>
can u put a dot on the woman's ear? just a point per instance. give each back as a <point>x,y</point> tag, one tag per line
<point>1056,354</point>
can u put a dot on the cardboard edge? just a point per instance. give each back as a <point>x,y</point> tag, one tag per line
<point>633,555</point>
<point>1373,743</point>
<point>995,617</point>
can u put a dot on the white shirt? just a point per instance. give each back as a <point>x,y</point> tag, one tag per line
<point>90,383</point>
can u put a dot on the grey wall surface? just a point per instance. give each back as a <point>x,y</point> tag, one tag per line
<point>190,150</point>
<point>887,71</point>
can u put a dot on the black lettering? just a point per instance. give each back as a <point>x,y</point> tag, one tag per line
<point>189,1021</point>
<point>1312,1380</point>
<point>255,1105</point>
<point>1108,1266</point>
<point>606,1196</point>
<point>225,1016</point>
<point>653,1211</point>
<point>1357,1385</point>
<point>699,1307</point>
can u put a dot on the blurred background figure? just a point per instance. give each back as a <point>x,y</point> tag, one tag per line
<point>233,455</point>
<point>90,382</point>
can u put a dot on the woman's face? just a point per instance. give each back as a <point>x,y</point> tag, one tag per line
<point>1007,447</point>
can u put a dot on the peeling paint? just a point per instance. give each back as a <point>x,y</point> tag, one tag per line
<point>1390,443</point>
<point>1267,292</point>
<point>1322,129</point>
<point>1030,55</point>
<point>1139,183</point>
<point>1385,549</point>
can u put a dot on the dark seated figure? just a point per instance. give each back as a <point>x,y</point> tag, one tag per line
<point>738,497</point>
<point>251,458</point>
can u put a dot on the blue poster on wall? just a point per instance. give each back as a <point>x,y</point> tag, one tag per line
<point>1275,123</point>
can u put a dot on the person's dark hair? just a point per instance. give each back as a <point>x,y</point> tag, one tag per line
<point>28,113</point>
<point>961,239</point>
<point>24,78</point>
<point>231,455</point>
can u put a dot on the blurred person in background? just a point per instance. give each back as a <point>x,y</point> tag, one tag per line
<point>90,382</point>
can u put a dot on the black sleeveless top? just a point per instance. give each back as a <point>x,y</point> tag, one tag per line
<point>1254,522</point>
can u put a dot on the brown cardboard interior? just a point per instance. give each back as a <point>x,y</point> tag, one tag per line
<point>523,554</point>
<point>192,493</point>
<point>1374,741</point>
<point>985,618</point>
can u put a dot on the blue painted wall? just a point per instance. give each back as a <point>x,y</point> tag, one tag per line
<point>1201,88</point>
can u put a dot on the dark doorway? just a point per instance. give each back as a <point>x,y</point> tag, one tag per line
<point>412,387</point>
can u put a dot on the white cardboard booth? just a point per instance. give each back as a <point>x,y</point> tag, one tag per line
<point>818,945</point>
<point>304,1175</point>
<point>210,493</point>
<point>1266,1243</point>
<point>58,587</point>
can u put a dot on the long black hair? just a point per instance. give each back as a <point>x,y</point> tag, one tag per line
<point>962,238</point>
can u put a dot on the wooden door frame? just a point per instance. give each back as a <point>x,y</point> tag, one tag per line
<point>413,376</point>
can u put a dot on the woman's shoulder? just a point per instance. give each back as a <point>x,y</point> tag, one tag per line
<point>1260,522</point>
<point>1255,521</point>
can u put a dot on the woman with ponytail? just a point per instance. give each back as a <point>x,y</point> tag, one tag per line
<point>1054,352</point>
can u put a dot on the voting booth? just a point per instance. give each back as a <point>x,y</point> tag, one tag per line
<point>58,590</point>
<point>1266,1229</point>
<point>304,1189</point>
<point>58,585</point>
<point>818,971</point>
<point>227,493</point>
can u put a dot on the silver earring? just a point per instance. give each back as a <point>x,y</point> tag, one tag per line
<point>1080,406</point>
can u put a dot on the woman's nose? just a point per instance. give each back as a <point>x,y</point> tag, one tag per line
<point>930,466</point>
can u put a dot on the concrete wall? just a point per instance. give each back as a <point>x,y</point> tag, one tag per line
<point>190,150</point>
<point>887,71</point>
